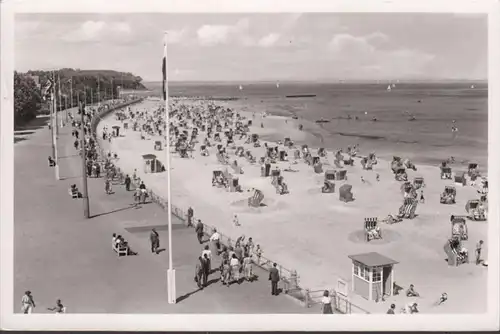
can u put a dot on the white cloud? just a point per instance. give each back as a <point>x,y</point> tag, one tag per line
<point>210,35</point>
<point>176,36</point>
<point>269,40</point>
<point>97,30</point>
<point>360,52</point>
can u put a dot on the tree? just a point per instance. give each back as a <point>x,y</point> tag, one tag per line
<point>27,99</point>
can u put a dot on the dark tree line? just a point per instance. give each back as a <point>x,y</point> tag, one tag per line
<point>27,99</point>
<point>75,85</point>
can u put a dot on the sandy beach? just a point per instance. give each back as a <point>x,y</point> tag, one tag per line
<point>313,232</point>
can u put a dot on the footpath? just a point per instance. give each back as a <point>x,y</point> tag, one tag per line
<point>58,254</point>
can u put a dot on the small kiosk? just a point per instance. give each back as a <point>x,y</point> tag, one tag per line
<point>151,164</point>
<point>116,130</point>
<point>372,275</point>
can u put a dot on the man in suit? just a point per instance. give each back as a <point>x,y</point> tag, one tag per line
<point>274,277</point>
<point>199,231</point>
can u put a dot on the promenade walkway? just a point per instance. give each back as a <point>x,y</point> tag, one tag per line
<point>60,254</point>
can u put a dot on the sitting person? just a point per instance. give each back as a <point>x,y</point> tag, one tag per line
<point>52,163</point>
<point>443,298</point>
<point>74,190</point>
<point>410,308</point>
<point>411,292</point>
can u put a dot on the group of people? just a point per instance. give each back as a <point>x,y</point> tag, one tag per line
<point>28,304</point>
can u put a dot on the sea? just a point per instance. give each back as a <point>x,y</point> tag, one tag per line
<point>413,120</point>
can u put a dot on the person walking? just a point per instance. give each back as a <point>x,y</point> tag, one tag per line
<point>479,248</point>
<point>205,265</point>
<point>154,237</point>
<point>199,231</point>
<point>190,215</point>
<point>274,277</point>
<point>27,303</point>
<point>235,269</point>
<point>128,181</point>
<point>208,254</point>
<point>107,187</point>
<point>326,303</point>
<point>225,272</point>
<point>198,272</point>
<point>215,239</point>
<point>247,268</point>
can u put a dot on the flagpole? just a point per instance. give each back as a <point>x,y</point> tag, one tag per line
<point>54,106</point>
<point>171,272</point>
<point>52,117</point>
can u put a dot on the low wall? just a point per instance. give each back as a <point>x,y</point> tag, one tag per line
<point>289,278</point>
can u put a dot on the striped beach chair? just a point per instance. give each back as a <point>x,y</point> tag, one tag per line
<point>372,230</point>
<point>407,210</point>
<point>256,199</point>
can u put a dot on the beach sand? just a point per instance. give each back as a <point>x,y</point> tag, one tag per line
<point>313,232</point>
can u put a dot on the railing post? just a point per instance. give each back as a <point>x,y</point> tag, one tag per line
<point>307,299</point>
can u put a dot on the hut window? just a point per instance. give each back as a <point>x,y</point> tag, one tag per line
<point>377,274</point>
<point>366,273</point>
<point>356,269</point>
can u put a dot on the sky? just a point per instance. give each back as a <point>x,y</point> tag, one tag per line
<point>259,47</point>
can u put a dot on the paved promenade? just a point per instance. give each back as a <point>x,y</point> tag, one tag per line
<point>60,254</point>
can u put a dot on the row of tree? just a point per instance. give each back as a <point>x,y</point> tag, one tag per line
<point>70,86</point>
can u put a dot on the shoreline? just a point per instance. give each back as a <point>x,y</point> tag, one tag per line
<point>216,209</point>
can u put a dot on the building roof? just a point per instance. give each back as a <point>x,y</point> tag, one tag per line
<point>149,156</point>
<point>372,259</point>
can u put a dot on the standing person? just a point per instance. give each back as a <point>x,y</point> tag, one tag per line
<point>258,254</point>
<point>234,263</point>
<point>97,170</point>
<point>205,264</point>
<point>59,308</point>
<point>190,215</point>
<point>274,277</point>
<point>107,186</point>
<point>199,231</point>
<point>137,196</point>
<point>422,199</point>
<point>27,303</point>
<point>236,222</point>
<point>208,254</point>
<point>479,248</point>
<point>247,268</point>
<point>250,247</point>
<point>238,250</point>
<point>198,272</point>
<point>215,239</point>
<point>154,237</point>
<point>326,303</point>
<point>128,181</point>
<point>225,272</point>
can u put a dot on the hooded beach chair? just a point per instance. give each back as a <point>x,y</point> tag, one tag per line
<point>256,199</point>
<point>372,230</point>
<point>328,187</point>
<point>459,228</point>
<point>407,210</point>
<point>475,210</point>
<point>448,196</point>
<point>345,193</point>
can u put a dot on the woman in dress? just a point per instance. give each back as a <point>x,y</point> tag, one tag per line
<point>326,303</point>
<point>235,269</point>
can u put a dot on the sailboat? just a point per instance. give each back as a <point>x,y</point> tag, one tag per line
<point>278,84</point>
<point>389,88</point>
<point>393,86</point>
<point>241,87</point>
<point>472,87</point>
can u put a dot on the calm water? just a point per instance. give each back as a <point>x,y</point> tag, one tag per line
<point>427,139</point>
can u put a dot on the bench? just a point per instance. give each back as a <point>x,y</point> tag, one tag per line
<point>120,250</point>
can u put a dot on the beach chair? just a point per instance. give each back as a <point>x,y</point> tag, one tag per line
<point>236,168</point>
<point>265,170</point>
<point>460,179</point>
<point>345,193</point>
<point>472,169</point>
<point>448,196</point>
<point>240,151</point>
<point>204,151</point>
<point>256,199</point>
<point>330,175</point>
<point>455,257</point>
<point>366,163</point>
<point>255,138</point>
<point>328,187</point>
<point>73,192</point>
<point>281,186</point>
<point>283,156</point>
<point>218,179</point>
<point>445,173</point>
<point>158,146</point>
<point>395,164</point>
<point>407,210</point>
<point>349,162</point>
<point>341,175</point>
<point>373,158</point>
<point>459,228</point>
<point>318,167</point>
<point>372,230</point>
<point>120,250</point>
<point>234,185</point>
<point>418,182</point>
<point>409,164</point>
<point>401,174</point>
<point>475,210</point>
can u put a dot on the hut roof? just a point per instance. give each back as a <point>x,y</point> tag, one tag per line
<point>372,259</point>
<point>149,156</point>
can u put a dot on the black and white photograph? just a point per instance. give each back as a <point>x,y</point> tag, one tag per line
<point>254,161</point>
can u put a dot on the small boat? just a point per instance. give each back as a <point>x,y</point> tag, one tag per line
<point>241,87</point>
<point>278,84</point>
<point>393,86</point>
<point>472,87</point>
<point>322,120</point>
<point>301,95</point>
<point>389,88</point>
